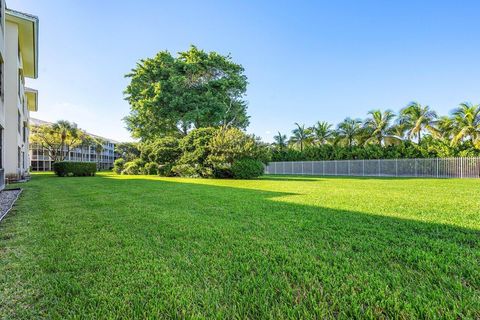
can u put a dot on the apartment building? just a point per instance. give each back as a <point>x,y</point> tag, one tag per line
<point>18,60</point>
<point>103,157</point>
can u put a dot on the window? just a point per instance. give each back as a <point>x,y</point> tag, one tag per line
<point>19,82</point>
<point>24,132</point>
<point>19,122</point>
<point>1,77</point>
<point>18,157</point>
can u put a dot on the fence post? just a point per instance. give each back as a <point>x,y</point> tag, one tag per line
<point>363,167</point>
<point>461,168</point>
<point>415,167</point>
<point>302,168</point>
<point>396,167</point>
<point>335,167</point>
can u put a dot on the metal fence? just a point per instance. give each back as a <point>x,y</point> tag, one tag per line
<point>431,168</point>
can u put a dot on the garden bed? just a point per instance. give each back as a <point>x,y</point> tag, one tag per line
<point>7,200</point>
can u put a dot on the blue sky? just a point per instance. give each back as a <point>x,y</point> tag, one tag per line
<point>305,61</point>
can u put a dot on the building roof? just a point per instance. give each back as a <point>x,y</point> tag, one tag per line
<point>28,40</point>
<point>38,122</point>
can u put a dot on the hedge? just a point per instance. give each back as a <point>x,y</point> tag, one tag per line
<point>74,169</point>
<point>247,169</point>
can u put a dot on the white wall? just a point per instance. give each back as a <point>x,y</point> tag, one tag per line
<point>14,106</point>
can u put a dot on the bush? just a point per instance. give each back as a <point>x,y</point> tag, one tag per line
<point>74,169</point>
<point>186,170</point>
<point>247,169</point>
<point>162,150</point>
<point>151,168</point>
<point>133,167</point>
<point>165,170</point>
<point>195,146</point>
<point>230,145</point>
<point>118,165</point>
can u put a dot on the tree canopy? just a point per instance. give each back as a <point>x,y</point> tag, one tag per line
<point>196,89</point>
<point>58,138</point>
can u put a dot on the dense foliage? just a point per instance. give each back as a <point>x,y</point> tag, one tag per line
<point>417,132</point>
<point>247,168</point>
<point>74,169</point>
<point>61,137</point>
<point>170,95</point>
<point>127,150</point>
<point>204,152</point>
<point>118,165</point>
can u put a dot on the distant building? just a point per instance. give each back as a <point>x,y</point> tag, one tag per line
<point>41,161</point>
<point>18,60</point>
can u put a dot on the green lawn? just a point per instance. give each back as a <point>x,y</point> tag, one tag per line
<point>278,247</point>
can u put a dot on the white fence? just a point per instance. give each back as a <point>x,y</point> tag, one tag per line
<point>431,168</point>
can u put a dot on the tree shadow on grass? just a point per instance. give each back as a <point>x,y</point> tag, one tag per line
<point>177,248</point>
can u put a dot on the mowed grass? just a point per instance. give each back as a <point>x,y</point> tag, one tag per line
<point>278,247</point>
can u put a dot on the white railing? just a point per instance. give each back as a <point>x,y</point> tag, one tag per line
<point>430,167</point>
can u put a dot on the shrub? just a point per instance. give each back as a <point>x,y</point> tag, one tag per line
<point>161,150</point>
<point>247,169</point>
<point>165,170</point>
<point>195,146</point>
<point>186,170</point>
<point>151,168</point>
<point>74,169</point>
<point>118,165</point>
<point>133,167</point>
<point>230,145</point>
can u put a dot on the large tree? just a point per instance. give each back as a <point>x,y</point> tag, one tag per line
<point>58,138</point>
<point>171,95</point>
<point>128,150</point>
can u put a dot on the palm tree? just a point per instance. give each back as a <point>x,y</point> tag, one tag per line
<point>98,144</point>
<point>322,132</point>
<point>69,135</point>
<point>418,118</point>
<point>280,141</point>
<point>379,127</point>
<point>301,136</point>
<point>466,123</point>
<point>445,128</point>
<point>399,130</point>
<point>348,130</point>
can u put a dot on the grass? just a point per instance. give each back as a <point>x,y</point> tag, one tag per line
<point>278,247</point>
